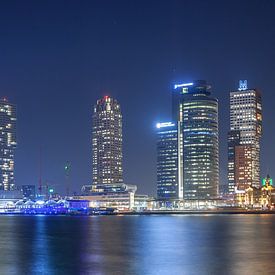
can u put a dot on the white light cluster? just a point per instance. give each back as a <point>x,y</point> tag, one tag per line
<point>165,124</point>
<point>183,85</point>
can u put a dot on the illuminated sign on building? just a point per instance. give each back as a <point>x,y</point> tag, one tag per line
<point>165,124</point>
<point>183,85</point>
<point>242,85</point>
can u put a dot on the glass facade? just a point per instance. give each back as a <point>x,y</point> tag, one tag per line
<point>7,144</point>
<point>105,189</point>
<point>167,161</point>
<point>197,113</point>
<point>107,142</point>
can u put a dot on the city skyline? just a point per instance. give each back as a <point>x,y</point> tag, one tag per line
<point>175,143</point>
<point>55,74</point>
<point>136,137</point>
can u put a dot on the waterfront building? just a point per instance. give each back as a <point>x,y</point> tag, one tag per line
<point>11,194</point>
<point>75,205</point>
<point>7,204</point>
<point>86,189</point>
<point>7,144</point>
<point>120,201</point>
<point>197,113</point>
<point>120,196</point>
<point>37,207</point>
<point>244,138</point>
<point>169,164</point>
<point>143,203</point>
<point>107,142</point>
<point>114,188</point>
<point>262,197</point>
<point>28,191</point>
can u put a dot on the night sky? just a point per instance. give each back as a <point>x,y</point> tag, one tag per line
<point>58,57</point>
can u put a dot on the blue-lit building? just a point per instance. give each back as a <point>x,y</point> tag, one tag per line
<point>197,113</point>
<point>28,191</point>
<point>120,196</point>
<point>169,179</point>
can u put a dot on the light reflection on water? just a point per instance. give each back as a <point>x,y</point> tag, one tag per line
<point>205,244</point>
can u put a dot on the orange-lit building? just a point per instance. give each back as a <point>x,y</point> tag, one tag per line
<point>244,139</point>
<point>258,197</point>
<point>243,166</point>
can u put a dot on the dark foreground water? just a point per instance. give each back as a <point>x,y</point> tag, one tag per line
<point>206,244</point>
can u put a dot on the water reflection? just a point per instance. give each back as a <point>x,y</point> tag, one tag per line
<point>108,246</point>
<point>228,244</point>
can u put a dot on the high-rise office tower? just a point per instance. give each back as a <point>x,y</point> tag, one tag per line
<point>169,177</point>
<point>197,111</point>
<point>107,142</point>
<point>244,138</point>
<point>7,144</point>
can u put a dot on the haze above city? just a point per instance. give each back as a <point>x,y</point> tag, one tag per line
<point>58,58</point>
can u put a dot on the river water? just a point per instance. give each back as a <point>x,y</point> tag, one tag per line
<point>157,244</point>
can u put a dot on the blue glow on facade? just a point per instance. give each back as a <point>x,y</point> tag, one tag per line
<point>50,207</point>
<point>242,85</point>
<point>167,161</point>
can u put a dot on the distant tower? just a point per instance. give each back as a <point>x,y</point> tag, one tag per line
<point>107,142</point>
<point>244,138</point>
<point>67,169</point>
<point>169,162</point>
<point>7,144</point>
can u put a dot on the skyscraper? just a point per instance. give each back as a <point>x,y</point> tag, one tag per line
<point>107,142</point>
<point>169,178</point>
<point>7,144</point>
<point>244,138</point>
<point>197,111</point>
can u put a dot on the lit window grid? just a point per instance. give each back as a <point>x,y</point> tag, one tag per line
<point>201,152</point>
<point>246,117</point>
<point>107,142</point>
<point>7,144</point>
